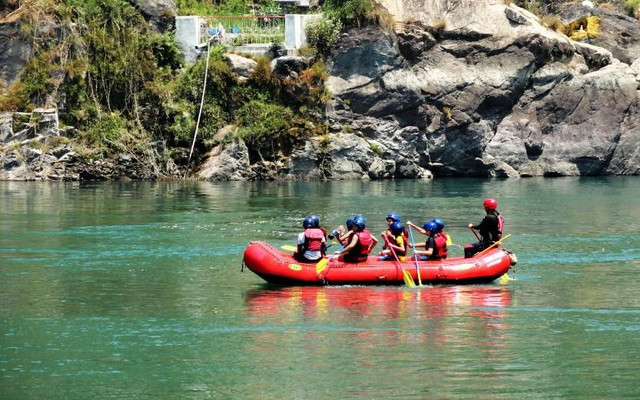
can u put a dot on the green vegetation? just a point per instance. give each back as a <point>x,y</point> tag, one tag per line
<point>633,7</point>
<point>125,85</point>
<point>322,34</point>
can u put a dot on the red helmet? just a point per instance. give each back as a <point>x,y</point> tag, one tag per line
<point>489,203</point>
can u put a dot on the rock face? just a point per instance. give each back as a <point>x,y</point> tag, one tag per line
<point>453,94</point>
<point>160,13</point>
<point>619,33</point>
<point>16,53</point>
<point>477,88</point>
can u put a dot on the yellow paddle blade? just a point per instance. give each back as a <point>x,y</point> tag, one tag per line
<point>321,265</point>
<point>408,280</point>
<point>449,240</point>
<point>289,248</point>
<point>504,279</point>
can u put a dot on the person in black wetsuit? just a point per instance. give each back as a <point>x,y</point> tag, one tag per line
<point>490,228</point>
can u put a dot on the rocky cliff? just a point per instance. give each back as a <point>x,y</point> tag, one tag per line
<point>471,88</point>
<point>454,88</point>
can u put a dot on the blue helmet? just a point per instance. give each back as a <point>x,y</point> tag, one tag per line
<point>396,228</point>
<point>430,226</point>
<point>349,223</point>
<point>360,222</point>
<point>395,217</point>
<point>315,221</point>
<point>438,222</point>
<point>361,217</point>
<point>307,223</point>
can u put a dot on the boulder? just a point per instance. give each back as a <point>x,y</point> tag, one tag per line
<point>160,13</point>
<point>242,66</point>
<point>226,162</point>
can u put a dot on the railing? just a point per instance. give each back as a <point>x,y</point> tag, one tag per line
<point>238,30</point>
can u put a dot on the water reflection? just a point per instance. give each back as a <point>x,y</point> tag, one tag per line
<point>441,310</point>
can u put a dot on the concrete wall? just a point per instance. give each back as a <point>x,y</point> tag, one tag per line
<point>191,31</point>
<point>189,35</point>
<point>294,35</point>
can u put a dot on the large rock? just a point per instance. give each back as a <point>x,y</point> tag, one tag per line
<point>242,66</point>
<point>456,95</point>
<point>227,162</point>
<point>160,13</point>
<point>15,53</point>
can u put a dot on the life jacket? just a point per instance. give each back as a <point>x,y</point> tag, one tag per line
<point>404,242</point>
<point>500,225</point>
<point>313,239</point>
<point>361,250</point>
<point>440,251</point>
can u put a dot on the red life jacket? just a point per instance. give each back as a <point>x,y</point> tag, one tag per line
<point>440,251</point>
<point>361,251</point>
<point>313,239</point>
<point>500,225</point>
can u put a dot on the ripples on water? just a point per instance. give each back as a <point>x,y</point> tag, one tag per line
<point>134,290</point>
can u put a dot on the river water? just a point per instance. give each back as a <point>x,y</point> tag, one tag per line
<point>135,291</point>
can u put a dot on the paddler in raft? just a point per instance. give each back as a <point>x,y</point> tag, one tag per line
<point>435,245</point>
<point>341,234</point>
<point>393,239</point>
<point>490,228</point>
<point>311,242</point>
<point>360,244</point>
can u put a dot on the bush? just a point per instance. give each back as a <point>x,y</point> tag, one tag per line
<point>105,130</point>
<point>322,34</point>
<point>260,123</point>
<point>633,8</point>
<point>350,12</point>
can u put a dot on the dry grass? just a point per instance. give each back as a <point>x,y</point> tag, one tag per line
<point>607,6</point>
<point>584,28</point>
<point>383,18</point>
<point>439,26</point>
<point>553,22</point>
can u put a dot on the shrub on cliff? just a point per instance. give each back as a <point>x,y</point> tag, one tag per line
<point>322,34</point>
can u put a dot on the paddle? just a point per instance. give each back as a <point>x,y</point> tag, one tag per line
<point>294,248</point>
<point>408,280</point>
<point>475,234</point>
<point>415,256</point>
<point>322,264</point>
<point>493,245</point>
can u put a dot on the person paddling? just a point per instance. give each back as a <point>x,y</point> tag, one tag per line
<point>311,242</point>
<point>341,234</point>
<point>435,245</point>
<point>394,240</point>
<point>490,228</point>
<point>360,244</point>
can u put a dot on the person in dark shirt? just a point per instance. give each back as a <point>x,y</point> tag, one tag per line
<point>490,228</point>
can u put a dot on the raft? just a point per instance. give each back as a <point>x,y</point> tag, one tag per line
<point>275,266</point>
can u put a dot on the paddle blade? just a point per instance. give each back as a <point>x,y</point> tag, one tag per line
<point>289,248</point>
<point>504,279</point>
<point>449,240</point>
<point>408,280</point>
<point>321,265</point>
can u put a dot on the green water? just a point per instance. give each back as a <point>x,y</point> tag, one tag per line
<point>135,291</point>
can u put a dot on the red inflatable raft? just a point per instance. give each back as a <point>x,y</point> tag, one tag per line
<point>274,266</point>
